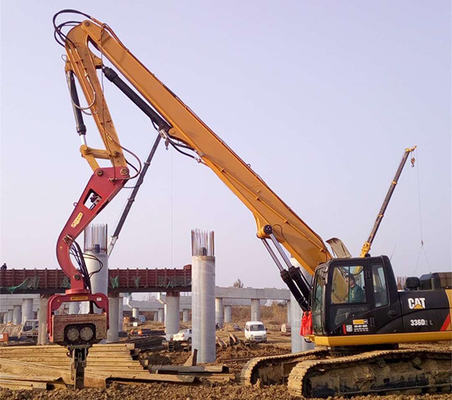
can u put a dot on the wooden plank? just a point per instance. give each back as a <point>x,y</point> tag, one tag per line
<point>46,372</point>
<point>17,382</point>
<point>111,355</point>
<point>114,365</point>
<point>23,349</point>
<point>63,356</point>
<point>32,351</point>
<point>43,353</point>
<point>113,370</point>
<point>125,347</point>
<point>128,346</point>
<point>108,368</point>
<point>150,378</point>
<point>58,363</point>
<point>17,385</point>
<point>185,369</point>
<point>103,365</point>
<point>34,356</point>
<point>219,377</point>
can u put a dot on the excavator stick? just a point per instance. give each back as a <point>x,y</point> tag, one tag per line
<point>104,184</point>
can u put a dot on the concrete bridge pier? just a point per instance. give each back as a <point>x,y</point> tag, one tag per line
<point>5,318</point>
<point>43,337</point>
<point>135,312</point>
<point>9,316</point>
<point>185,315</point>
<point>161,315</point>
<point>203,295</point>
<point>120,313</point>
<point>288,312</point>
<point>298,342</point>
<point>17,314</point>
<point>219,312</point>
<point>227,314</point>
<point>172,325</point>
<point>95,247</point>
<point>255,310</point>
<point>113,316</point>
<point>27,310</point>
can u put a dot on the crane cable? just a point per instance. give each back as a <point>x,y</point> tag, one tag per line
<point>171,207</point>
<point>422,248</point>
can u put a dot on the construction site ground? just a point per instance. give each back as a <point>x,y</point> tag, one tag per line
<point>213,386</point>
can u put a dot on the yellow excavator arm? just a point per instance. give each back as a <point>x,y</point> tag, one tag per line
<point>268,209</point>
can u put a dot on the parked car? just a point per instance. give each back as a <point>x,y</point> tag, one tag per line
<point>184,335</point>
<point>255,331</point>
<point>30,330</point>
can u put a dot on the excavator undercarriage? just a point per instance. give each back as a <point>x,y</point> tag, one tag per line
<point>318,373</point>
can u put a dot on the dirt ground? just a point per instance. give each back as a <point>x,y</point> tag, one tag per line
<point>233,357</point>
<point>173,392</point>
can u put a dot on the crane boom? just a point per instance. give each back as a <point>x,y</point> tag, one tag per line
<point>367,245</point>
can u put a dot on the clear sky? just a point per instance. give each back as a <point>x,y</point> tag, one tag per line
<point>320,97</point>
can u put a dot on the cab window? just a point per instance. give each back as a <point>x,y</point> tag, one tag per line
<point>317,306</point>
<point>380,287</point>
<point>348,285</point>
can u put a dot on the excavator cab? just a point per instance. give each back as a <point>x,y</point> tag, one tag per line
<point>355,296</point>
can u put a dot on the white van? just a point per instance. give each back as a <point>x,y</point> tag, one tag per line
<point>255,331</point>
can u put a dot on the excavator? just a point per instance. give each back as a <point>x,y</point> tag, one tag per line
<point>373,341</point>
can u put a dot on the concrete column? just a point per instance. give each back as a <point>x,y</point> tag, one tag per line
<point>120,313</point>
<point>219,312</point>
<point>227,314</point>
<point>155,316</point>
<point>203,307</point>
<point>17,315</point>
<point>99,280</point>
<point>255,310</point>
<point>298,342</point>
<point>161,314</point>
<point>185,315</point>
<point>9,316</point>
<point>172,325</point>
<point>135,312</point>
<point>288,305</point>
<point>5,318</point>
<point>97,260</point>
<point>113,316</point>
<point>295,317</point>
<point>43,337</point>
<point>27,310</point>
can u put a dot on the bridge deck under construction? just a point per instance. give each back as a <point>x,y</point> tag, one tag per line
<point>15,281</point>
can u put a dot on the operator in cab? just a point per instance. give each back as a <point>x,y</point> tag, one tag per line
<point>356,292</point>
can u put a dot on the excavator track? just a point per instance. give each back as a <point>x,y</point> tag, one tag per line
<point>315,373</point>
<point>276,369</point>
<point>373,373</point>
